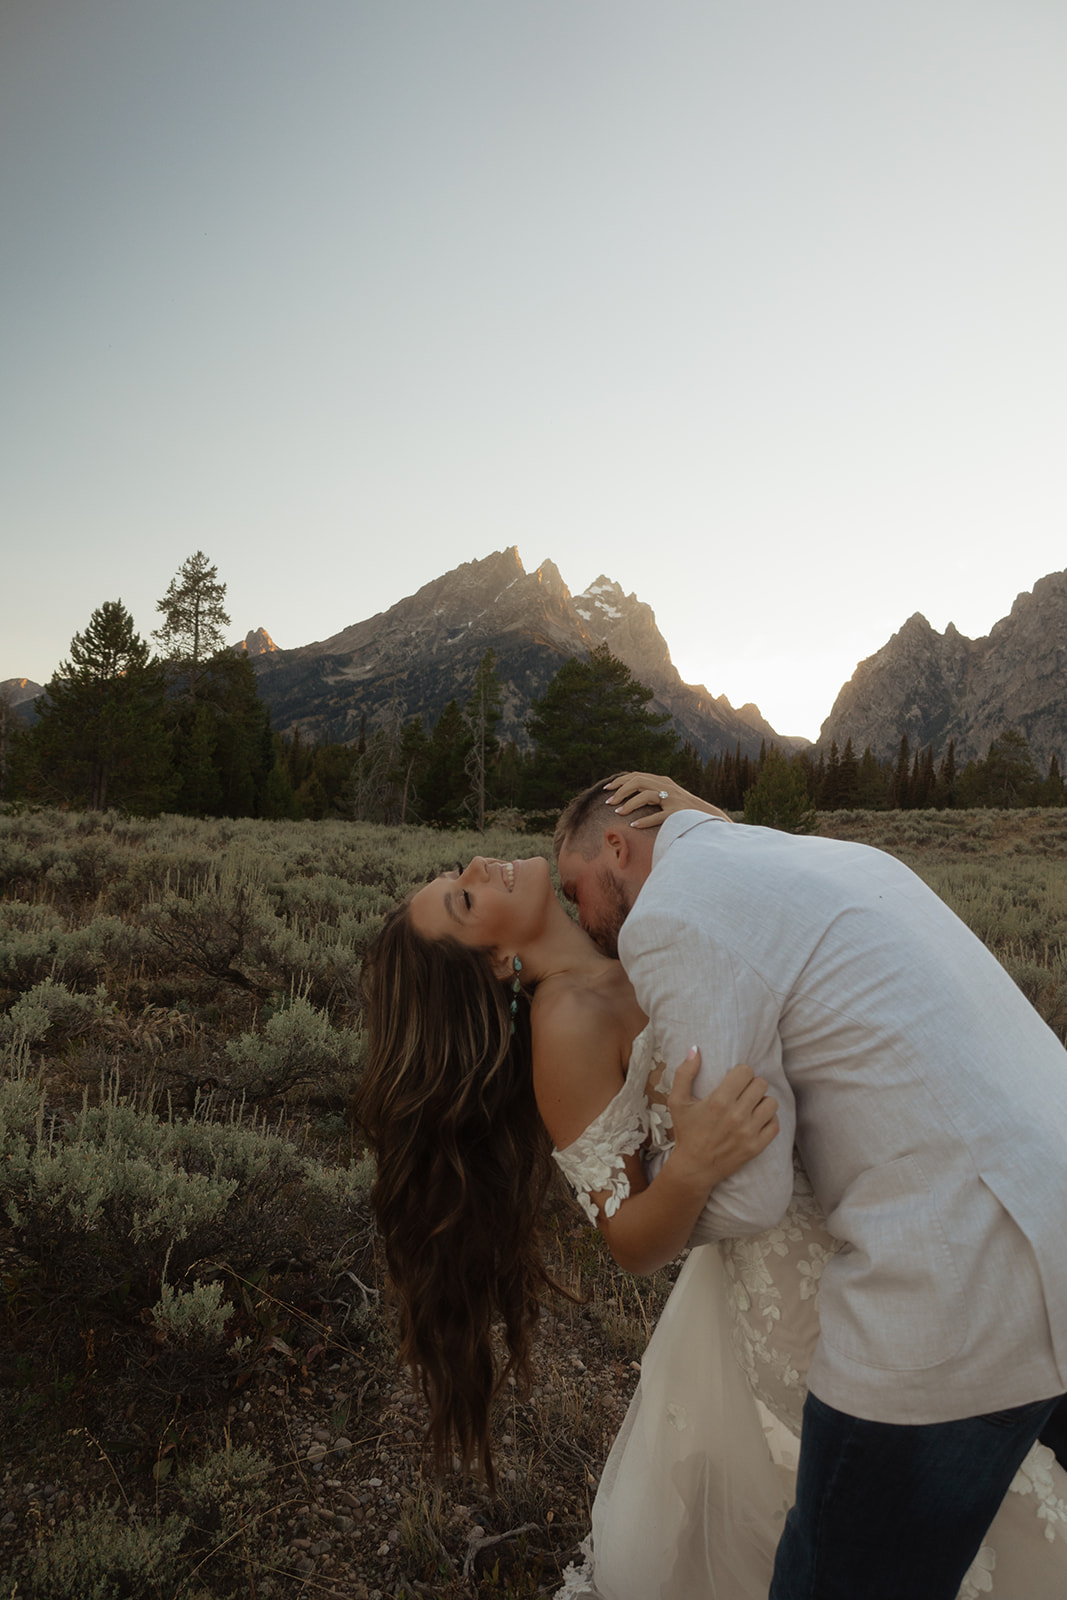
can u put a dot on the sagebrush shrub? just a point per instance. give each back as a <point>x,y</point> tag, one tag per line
<point>119,1198</point>
<point>50,1010</point>
<point>299,1045</point>
<point>210,1537</point>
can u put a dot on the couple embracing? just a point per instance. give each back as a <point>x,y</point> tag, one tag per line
<point>871,1138</point>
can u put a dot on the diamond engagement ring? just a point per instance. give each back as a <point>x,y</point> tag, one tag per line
<point>663,794</point>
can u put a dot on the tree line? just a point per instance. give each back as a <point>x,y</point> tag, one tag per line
<point>186,731</point>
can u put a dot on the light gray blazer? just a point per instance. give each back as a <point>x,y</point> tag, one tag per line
<point>927,1098</point>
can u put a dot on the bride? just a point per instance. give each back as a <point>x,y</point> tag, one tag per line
<point>496,1025</point>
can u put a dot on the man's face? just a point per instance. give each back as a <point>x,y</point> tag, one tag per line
<point>602,895</point>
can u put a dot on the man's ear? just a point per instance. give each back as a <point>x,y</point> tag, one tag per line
<point>619,844</point>
<point>630,852</point>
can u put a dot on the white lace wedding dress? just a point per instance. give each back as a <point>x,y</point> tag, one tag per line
<point>695,1490</point>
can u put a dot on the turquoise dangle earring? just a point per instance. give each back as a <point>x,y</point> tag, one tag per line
<point>515,987</point>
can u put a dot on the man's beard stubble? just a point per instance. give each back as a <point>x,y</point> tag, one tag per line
<point>616,908</point>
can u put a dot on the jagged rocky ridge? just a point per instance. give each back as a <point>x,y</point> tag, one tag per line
<point>424,651</point>
<point>20,691</point>
<point>940,686</point>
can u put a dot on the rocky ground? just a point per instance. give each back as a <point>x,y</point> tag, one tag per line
<point>350,1511</point>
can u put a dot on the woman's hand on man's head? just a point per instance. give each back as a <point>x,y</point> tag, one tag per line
<point>630,791</point>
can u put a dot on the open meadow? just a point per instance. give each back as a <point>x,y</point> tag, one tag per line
<point>199,1395</point>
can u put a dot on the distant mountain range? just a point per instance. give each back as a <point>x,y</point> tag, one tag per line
<point>940,686</point>
<point>424,651</point>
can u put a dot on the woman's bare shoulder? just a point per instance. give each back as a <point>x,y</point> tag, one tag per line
<point>573,1008</point>
<point>579,1058</point>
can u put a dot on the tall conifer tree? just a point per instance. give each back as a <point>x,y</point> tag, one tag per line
<point>593,720</point>
<point>193,616</point>
<point>101,738</point>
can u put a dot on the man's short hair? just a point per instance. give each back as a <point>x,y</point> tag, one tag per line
<point>583,820</point>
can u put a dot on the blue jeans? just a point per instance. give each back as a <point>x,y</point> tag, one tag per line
<point>886,1511</point>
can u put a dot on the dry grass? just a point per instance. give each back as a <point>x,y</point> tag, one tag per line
<point>175,941</point>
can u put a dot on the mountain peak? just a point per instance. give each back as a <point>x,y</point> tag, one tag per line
<point>257,642</point>
<point>18,690</point>
<point>934,687</point>
<point>424,651</point>
<point>549,574</point>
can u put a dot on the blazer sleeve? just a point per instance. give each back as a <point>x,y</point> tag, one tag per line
<point>695,990</point>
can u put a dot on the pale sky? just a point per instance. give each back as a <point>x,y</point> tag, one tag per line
<point>758,308</point>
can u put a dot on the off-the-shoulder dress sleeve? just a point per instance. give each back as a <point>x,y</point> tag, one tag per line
<point>594,1162</point>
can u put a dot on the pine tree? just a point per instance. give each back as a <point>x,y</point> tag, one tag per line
<point>224,750</point>
<point>444,786</point>
<point>482,715</point>
<point>849,776</point>
<point>1011,778</point>
<point>945,787</point>
<point>9,728</point>
<point>376,784</point>
<point>1053,791</point>
<point>194,616</point>
<point>278,800</point>
<point>509,776</point>
<point>914,783</point>
<point>779,797</point>
<point>829,790</point>
<point>687,769</point>
<point>899,796</point>
<point>410,766</point>
<point>101,737</point>
<point>593,720</point>
<point>327,789</point>
<point>872,783</point>
<point>927,779</point>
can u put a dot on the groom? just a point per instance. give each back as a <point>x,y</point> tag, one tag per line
<point>929,1104</point>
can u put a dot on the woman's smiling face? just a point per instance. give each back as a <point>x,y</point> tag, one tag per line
<point>492,905</point>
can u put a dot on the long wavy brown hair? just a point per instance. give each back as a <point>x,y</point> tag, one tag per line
<point>446,1101</point>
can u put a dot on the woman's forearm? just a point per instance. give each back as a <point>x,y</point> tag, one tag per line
<point>714,1137</point>
<point>652,1227</point>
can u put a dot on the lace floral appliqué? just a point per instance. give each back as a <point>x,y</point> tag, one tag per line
<point>595,1162</point>
<point>772,1284</point>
